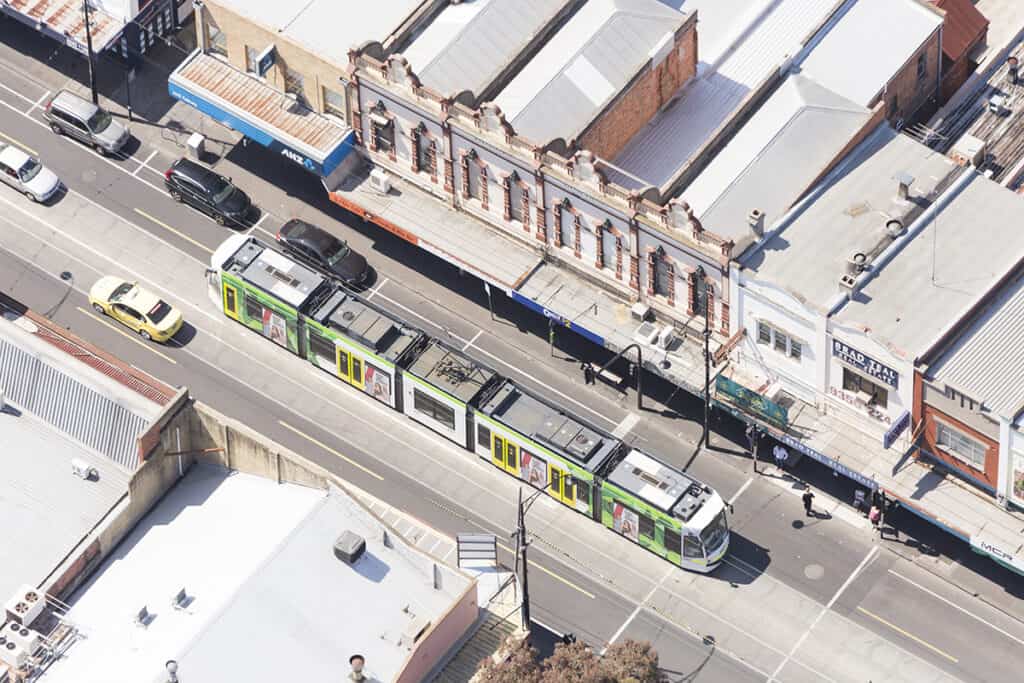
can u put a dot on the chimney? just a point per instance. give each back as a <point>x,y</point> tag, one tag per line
<point>1011,68</point>
<point>756,221</point>
<point>856,264</point>
<point>905,180</point>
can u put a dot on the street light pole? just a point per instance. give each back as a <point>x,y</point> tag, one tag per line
<point>524,582</point>
<point>706,437</point>
<point>88,53</point>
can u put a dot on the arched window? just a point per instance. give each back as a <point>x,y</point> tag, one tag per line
<point>662,273</point>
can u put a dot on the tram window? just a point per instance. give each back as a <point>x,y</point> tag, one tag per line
<point>230,301</point>
<point>357,370</point>
<point>556,481</point>
<point>582,489</point>
<point>321,345</point>
<point>253,309</point>
<point>646,525</point>
<point>483,436</point>
<point>673,541</point>
<point>431,407</point>
<point>692,547</point>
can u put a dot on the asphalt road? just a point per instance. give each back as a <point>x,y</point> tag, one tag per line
<point>821,558</point>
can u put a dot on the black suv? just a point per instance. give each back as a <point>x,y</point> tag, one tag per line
<point>207,191</point>
<point>324,251</point>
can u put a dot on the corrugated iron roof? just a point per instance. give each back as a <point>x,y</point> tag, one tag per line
<point>66,17</point>
<point>964,25</point>
<point>245,93</point>
<point>987,363</point>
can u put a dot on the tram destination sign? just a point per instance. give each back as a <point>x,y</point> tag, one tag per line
<point>865,363</point>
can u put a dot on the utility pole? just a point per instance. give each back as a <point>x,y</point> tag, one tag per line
<point>88,53</point>
<point>522,544</point>
<point>706,437</point>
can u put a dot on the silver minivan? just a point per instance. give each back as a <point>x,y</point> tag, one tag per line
<point>69,114</point>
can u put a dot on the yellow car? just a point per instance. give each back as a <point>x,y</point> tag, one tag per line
<point>142,311</point>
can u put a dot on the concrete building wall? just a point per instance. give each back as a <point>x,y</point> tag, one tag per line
<point>656,83</point>
<point>910,88</point>
<point>242,32</point>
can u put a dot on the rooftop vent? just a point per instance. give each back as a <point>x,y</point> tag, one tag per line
<point>755,219</point>
<point>80,468</point>
<point>349,547</point>
<point>1012,66</point>
<point>847,281</point>
<point>904,180</point>
<point>856,263</point>
<point>894,227</point>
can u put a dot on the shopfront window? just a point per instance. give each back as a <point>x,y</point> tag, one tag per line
<point>959,445</point>
<point>868,391</point>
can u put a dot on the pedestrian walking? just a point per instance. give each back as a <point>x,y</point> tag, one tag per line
<point>781,455</point>
<point>752,440</point>
<point>875,517</point>
<point>807,498</point>
<point>588,372</point>
<point>859,500</point>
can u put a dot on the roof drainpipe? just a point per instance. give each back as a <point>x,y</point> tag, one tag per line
<point>897,245</point>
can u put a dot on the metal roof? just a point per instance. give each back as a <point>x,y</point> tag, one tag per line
<point>65,18</point>
<point>451,371</point>
<point>987,362</point>
<point>584,66</point>
<point>385,334</point>
<point>46,510</point>
<point>250,98</point>
<point>962,26</point>
<point>659,484</point>
<point>329,28</point>
<point>549,426</point>
<point>843,60</point>
<point>470,43</point>
<point>775,157</point>
<point>750,44</point>
<point>944,271</point>
<point>260,265</point>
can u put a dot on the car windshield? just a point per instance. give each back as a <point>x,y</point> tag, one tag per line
<point>221,189</point>
<point>29,170</point>
<point>159,311</point>
<point>99,121</point>
<point>336,252</point>
<point>713,534</point>
<point>121,291</point>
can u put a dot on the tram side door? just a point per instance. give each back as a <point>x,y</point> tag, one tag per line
<point>505,454</point>
<point>561,486</point>
<point>350,368</point>
<point>231,301</point>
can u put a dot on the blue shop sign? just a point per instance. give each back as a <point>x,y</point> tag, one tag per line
<point>827,461</point>
<point>864,363</point>
<point>897,428</point>
<point>265,60</point>
<point>558,319</point>
<point>261,136</point>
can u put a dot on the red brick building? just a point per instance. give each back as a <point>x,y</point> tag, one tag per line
<point>965,28</point>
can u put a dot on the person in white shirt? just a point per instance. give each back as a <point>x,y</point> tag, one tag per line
<point>781,455</point>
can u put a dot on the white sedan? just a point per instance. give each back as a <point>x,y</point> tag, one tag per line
<point>23,172</point>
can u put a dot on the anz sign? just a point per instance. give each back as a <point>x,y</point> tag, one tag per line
<point>308,164</point>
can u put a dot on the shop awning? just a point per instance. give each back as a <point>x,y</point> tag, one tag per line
<point>64,21</point>
<point>262,113</point>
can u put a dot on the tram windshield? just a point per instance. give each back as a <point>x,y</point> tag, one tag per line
<point>713,534</point>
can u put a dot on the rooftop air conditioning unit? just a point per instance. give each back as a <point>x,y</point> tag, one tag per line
<point>349,547</point>
<point>80,468</point>
<point>666,336</point>
<point>26,638</point>
<point>26,605</point>
<point>641,311</point>
<point>12,654</point>
<point>380,180</point>
<point>646,333</point>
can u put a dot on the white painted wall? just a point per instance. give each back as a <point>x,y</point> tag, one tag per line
<point>899,399</point>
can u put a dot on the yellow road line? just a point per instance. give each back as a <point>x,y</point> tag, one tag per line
<point>19,144</point>
<point>174,230</point>
<point>327,448</point>
<point>914,638</point>
<point>130,337</point>
<point>552,574</point>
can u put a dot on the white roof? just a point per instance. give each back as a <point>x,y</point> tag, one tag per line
<point>944,271</point>
<point>869,45</point>
<point>762,36</point>
<point>775,157</point>
<point>329,28</point>
<point>270,601</point>
<point>12,156</point>
<point>468,44</point>
<point>584,66</point>
<point>987,362</point>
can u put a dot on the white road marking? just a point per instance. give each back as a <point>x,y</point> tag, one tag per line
<point>475,337</point>
<point>640,606</point>
<point>627,424</point>
<point>377,288</point>
<point>842,589</point>
<point>957,607</point>
<point>743,488</point>
<point>145,164</point>
<point>17,94</point>
<point>35,105</point>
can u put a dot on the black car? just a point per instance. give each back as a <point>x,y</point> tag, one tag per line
<point>207,191</point>
<point>324,251</point>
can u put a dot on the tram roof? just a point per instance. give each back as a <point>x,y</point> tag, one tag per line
<point>548,425</point>
<point>275,273</point>
<point>664,487</point>
<point>387,336</point>
<point>450,371</point>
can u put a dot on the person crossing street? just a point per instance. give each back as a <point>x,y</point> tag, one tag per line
<point>807,498</point>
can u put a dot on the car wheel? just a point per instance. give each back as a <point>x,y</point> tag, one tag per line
<point>56,129</point>
<point>98,309</point>
<point>220,219</point>
<point>145,335</point>
<point>99,149</point>
<point>31,197</point>
<point>175,195</point>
